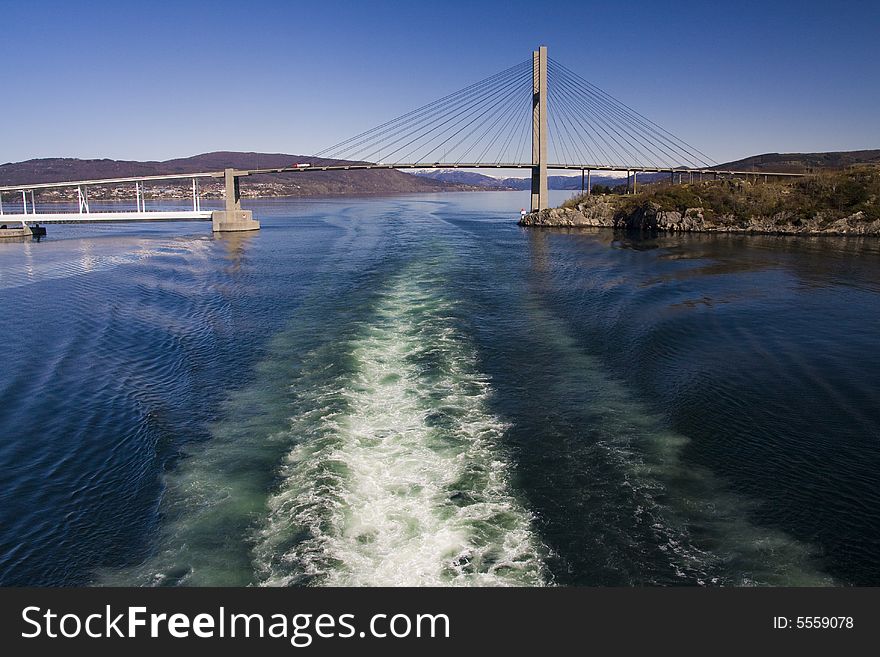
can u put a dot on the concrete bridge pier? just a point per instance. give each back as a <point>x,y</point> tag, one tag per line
<point>232,218</point>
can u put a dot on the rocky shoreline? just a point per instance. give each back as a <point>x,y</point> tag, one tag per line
<point>605,212</point>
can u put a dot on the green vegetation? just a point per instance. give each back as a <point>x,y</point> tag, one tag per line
<point>834,194</point>
<point>602,189</point>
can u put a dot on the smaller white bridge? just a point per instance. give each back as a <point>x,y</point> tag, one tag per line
<point>26,212</point>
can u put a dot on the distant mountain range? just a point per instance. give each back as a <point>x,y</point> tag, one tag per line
<point>461,176</point>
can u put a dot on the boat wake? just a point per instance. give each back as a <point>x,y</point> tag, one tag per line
<point>398,476</point>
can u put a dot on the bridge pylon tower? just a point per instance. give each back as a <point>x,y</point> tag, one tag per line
<point>540,200</point>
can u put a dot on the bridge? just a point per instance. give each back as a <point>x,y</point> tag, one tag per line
<point>503,122</point>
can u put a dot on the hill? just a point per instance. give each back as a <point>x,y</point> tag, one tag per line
<point>325,183</point>
<point>803,162</point>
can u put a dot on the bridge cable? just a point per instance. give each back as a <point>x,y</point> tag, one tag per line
<point>414,120</point>
<point>464,109</point>
<point>606,118</point>
<point>656,157</point>
<point>409,127</point>
<point>635,116</point>
<point>427,117</point>
<point>504,103</point>
<point>567,122</point>
<point>491,135</point>
<point>583,134</point>
<point>472,113</point>
<point>611,116</point>
<point>506,130</point>
<point>513,136</point>
<point>615,136</point>
<point>475,85</point>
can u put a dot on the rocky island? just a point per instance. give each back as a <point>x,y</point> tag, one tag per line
<point>833,203</point>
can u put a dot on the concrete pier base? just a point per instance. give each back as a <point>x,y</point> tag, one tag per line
<point>225,221</point>
<point>17,231</point>
<point>232,219</point>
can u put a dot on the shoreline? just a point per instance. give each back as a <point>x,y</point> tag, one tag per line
<point>604,213</point>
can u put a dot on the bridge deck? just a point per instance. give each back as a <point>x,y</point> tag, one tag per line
<point>354,166</point>
<point>509,165</point>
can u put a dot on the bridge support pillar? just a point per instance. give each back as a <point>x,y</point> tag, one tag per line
<point>232,218</point>
<point>540,196</point>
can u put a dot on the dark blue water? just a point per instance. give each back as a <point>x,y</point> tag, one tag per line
<point>414,390</point>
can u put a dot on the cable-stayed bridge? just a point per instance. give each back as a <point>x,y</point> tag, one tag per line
<point>537,115</point>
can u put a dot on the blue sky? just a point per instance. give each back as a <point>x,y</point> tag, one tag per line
<point>161,80</point>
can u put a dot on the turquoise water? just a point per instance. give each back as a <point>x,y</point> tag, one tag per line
<point>416,391</point>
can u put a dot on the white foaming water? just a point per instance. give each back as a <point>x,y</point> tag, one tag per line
<point>407,485</point>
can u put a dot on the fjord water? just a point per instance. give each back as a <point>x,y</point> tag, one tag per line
<point>414,390</point>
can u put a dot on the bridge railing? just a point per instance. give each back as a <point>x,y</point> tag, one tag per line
<point>28,207</point>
